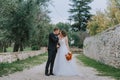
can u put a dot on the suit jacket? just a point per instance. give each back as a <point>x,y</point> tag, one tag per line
<point>53,41</point>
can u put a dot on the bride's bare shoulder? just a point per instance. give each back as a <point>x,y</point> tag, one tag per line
<point>66,37</point>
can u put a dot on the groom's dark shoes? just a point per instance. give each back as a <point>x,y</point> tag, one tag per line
<point>51,74</point>
<point>47,74</point>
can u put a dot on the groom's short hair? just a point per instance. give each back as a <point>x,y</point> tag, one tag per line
<point>55,29</point>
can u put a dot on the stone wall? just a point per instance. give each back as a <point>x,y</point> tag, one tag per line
<point>10,57</point>
<point>104,47</point>
<point>75,49</point>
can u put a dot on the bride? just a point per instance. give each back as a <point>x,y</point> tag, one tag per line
<point>62,67</point>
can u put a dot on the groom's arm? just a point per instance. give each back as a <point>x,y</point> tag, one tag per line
<point>54,38</point>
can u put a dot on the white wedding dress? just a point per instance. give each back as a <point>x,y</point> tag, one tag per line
<point>62,67</point>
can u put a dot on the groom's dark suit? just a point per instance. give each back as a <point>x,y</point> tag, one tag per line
<point>52,50</point>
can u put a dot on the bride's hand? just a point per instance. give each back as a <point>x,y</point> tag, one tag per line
<point>70,52</point>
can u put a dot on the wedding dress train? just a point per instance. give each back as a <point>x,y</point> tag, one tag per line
<point>62,67</point>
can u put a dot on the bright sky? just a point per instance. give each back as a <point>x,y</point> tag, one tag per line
<point>59,9</point>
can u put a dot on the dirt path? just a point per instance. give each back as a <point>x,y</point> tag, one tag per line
<point>37,73</point>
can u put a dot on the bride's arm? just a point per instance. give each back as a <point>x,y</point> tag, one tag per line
<point>66,41</point>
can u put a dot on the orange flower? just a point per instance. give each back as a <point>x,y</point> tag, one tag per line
<point>68,56</point>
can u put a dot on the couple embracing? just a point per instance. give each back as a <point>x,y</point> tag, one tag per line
<point>57,49</point>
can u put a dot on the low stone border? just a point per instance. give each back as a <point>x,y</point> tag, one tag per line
<point>74,49</point>
<point>10,57</point>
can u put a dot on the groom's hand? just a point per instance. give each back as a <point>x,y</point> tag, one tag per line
<point>58,46</point>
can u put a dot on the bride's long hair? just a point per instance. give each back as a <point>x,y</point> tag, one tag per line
<point>63,33</point>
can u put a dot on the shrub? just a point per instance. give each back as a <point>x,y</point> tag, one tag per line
<point>35,47</point>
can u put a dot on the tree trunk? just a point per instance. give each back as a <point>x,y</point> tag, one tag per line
<point>4,48</point>
<point>21,47</point>
<point>1,46</point>
<point>16,47</point>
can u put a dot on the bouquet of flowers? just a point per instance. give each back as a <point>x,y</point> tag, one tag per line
<point>68,56</point>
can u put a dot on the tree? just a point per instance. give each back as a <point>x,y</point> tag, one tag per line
<point>98,23</point>
<point>65,26</point>
<point>113,11</point>
<point>6,6</point>
<point>40,35</point>
<point>80,13</point>
<point>41,30</point>
<point>103,20</point>
<point>20,19</point>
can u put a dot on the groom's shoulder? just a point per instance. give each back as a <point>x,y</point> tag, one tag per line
<point>50,34</point>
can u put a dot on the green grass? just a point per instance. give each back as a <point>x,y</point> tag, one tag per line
<point>8,68</point>
<point>10,49</point>
<point>104,70</point>
<point>27,49</point>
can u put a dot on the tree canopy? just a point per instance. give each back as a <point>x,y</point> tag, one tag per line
<point>21,20</point>
<point>80,14</point>
<point>103,20</point>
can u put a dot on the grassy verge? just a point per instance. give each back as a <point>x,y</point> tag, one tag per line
<point>104,70</point>
<point>10,49</point>
<point>8,68</point>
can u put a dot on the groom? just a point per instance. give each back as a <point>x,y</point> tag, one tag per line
<point>52,50</point>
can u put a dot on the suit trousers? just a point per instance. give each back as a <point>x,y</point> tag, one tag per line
<point>50,61</point>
